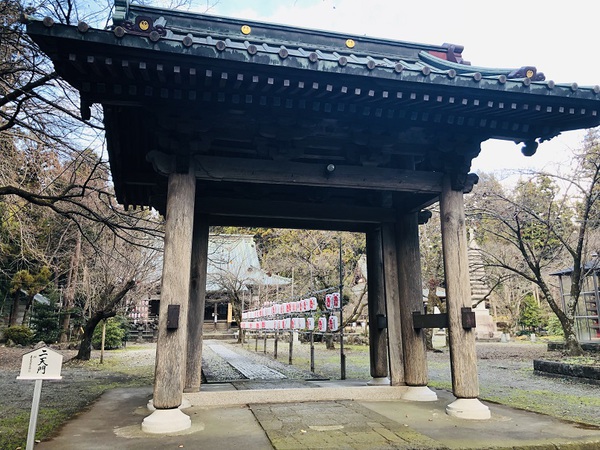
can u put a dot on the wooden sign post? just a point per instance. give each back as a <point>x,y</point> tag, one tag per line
<point>40,364</point>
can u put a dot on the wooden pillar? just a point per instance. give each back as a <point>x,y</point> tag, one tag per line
<point>376,306</point>
<point>199,263</point>
<point>463,358</point>
<point>392,302</point>
<point>411,299</point>
<point>175,290</point>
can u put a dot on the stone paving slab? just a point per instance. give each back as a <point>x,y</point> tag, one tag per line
<point>336,425</point>
<point>245,366</point>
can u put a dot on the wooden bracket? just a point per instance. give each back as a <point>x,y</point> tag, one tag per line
<point>173,317</point>
<point>381,322</point>
<point>421,320</point>
<point>468,318</point>
<point>424,216</point>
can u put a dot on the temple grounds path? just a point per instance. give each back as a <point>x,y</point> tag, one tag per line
<point>505,373</point>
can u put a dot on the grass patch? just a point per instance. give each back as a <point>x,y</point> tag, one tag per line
<point>555,404</point>
<point>447,385</point>
<point>55,410</point>
<point>580,360</point>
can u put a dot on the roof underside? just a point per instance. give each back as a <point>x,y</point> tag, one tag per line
<point>254,103</point>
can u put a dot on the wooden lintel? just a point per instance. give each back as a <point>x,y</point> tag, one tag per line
<point>320,175</point>
<point>294,210</point>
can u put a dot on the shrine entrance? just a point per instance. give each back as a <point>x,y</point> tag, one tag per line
<point>215,121</point>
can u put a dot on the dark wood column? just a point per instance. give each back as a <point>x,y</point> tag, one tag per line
<point>392,302</point>
<point>175,290</point>
<point>199,263</point>
<point>463,358</point>
<point>376,307</point>
<point>411,299</point>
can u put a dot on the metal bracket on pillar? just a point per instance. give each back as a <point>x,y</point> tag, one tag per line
<point>381,322</point>
<point>173,317</point>
<point>468,318</point>
<point>421,320</point>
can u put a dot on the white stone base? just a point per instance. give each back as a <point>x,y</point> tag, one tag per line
<point>379,381</point>
<point>185,403</point>
<point>163,421</point>
<point>468,408</point>
<point>419,394</point>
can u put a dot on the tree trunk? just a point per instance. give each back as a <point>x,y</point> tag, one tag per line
<point>27,308</point>
<point>572,345</point>
<point>329,342</point>
<point>14,310</point>
<point>69,298</point>
<point>236,307</point>
<point>85,347</point>
<point>429,331</point>
<point>103,341</point>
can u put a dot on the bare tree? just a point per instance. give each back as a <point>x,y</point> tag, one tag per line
<point>547,226</point>
<point>115,271</point>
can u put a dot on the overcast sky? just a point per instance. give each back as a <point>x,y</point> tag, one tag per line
<point>559,38</point>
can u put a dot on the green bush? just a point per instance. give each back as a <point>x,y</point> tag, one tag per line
<point>45,322</point>
<point>19,334</point>
<point>554,326</point>
<point>115,334</point>
<point>531,314</point>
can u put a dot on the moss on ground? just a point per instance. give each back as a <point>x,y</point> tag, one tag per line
<point>555,404</point>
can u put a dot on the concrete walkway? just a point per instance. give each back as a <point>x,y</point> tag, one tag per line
<point>270,412</point>
<point>336,415</point>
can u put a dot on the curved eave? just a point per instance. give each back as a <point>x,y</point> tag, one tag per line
<point>326,62</point>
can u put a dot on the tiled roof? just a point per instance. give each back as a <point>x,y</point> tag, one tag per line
<point>331,52</point>
<point>233,262</point>
<point>245,97</point>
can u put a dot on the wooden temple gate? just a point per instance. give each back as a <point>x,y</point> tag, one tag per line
<point>214,121</point>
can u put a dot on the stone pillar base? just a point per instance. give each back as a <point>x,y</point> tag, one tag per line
<point>185,403</point>
<point>379,381</point>
<point>419,394</point>
<point>163,421</point>
<point>468,408</point>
